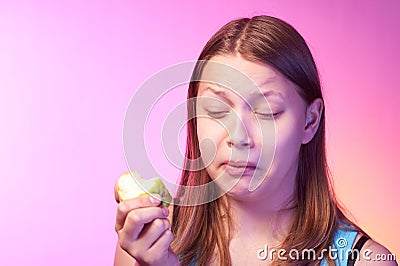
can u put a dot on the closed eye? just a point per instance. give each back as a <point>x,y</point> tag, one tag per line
<point>267,115</point>
<point>217,114</point>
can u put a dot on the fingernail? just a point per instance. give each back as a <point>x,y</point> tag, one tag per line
<point>155,199</point>
<point>165,211</point>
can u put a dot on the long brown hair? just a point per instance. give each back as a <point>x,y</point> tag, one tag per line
<point>199,231</point>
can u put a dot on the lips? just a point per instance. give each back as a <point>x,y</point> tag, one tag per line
<point>239,168</point>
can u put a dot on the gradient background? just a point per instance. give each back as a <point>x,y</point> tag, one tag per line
<point>69,68</point>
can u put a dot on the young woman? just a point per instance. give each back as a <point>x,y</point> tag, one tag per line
<point>293,208</point>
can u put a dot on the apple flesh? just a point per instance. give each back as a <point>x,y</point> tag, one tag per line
<point>132,185</point>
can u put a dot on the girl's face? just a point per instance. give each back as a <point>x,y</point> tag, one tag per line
<point>252,132</point>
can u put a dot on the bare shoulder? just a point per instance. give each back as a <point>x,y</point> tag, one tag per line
<point>373,253</point>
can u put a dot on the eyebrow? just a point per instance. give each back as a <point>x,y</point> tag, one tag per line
<point>266,93</point>
<point>221,93</point>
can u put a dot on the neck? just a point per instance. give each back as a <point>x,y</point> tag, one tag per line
<point>271,223</point>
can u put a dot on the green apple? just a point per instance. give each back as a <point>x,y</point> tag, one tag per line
<point>132,185</point>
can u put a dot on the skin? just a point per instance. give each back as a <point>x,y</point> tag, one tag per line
<point>144,235</point>
<point>264,215</point>
<point>242,127</point>
<point>240,131</point>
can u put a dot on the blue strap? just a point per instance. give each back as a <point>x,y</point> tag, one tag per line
<point>341,247</point>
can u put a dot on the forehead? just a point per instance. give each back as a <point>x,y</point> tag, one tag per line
<point>243,77</point>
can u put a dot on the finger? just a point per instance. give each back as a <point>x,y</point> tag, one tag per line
<point>152,232</point>
<point>161,253</point>
<point>128,205</point>
<point>136,219</point>
<point>116,195</point>
<point>163,242</point>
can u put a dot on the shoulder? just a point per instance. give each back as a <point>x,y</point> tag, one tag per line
<point>373,253</point>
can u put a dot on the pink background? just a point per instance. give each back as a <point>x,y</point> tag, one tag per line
<point>69,68</point>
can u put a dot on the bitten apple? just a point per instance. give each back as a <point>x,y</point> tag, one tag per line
<point>129,188</point>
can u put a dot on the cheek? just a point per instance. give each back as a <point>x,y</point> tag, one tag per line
<point>289,133</point>
<point>266,144</point>
<point>210,135</point>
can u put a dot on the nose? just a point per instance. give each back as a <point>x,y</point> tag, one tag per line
<point>240,135</point>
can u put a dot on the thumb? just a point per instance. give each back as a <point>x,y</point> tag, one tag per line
<point>116,195</point>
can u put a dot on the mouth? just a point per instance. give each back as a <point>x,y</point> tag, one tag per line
<point>239,168</point>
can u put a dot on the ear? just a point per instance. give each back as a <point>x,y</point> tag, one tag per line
<point>313,117</point>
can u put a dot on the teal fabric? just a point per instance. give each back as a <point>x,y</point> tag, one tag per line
<point>340,248</point>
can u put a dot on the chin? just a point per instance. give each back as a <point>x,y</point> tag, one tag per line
<point>243,194</point>
<point>239,187</point>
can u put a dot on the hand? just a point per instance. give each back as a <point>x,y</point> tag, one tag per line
<point>144,231</point>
